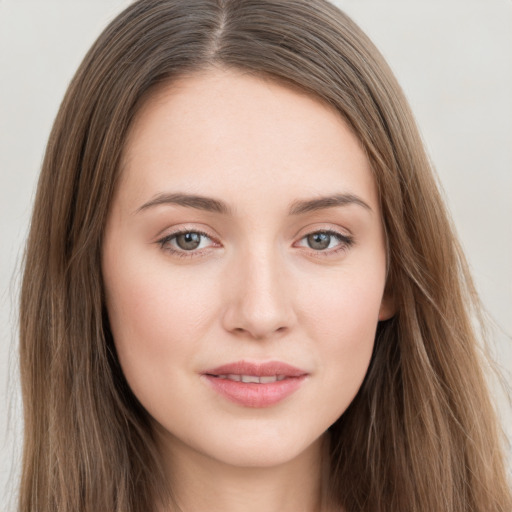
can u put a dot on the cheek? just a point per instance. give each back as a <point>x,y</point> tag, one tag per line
<point>157,317</point>
<point>344,307</point>
<point>342,321</point>
<point>146,297</point>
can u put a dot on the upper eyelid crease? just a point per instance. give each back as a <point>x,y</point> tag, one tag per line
<point>217,206</point>
<point>175,234</point>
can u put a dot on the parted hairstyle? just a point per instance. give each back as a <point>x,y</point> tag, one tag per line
<point>420,436</point>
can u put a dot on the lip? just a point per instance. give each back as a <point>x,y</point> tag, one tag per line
<point>249,394</point>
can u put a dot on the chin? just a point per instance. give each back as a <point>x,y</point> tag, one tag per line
<point>244,450</point>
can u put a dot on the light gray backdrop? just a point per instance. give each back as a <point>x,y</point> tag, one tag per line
<point>452,57</point>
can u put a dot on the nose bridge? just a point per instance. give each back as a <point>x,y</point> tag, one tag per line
<point>260,303</point>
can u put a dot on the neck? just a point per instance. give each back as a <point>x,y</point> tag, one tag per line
<point>208,484</point>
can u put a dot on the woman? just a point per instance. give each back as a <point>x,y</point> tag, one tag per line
<point>241,286</point>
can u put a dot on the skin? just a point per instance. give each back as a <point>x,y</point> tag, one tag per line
<point>254,289</point>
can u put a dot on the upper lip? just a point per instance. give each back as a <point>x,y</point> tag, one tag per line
<point>266,369</point>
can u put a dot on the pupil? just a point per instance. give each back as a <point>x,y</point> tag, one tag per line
<point>188,241</point>
<point>319,241</point>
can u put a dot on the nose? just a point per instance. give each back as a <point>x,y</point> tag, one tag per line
<point>260,302</point>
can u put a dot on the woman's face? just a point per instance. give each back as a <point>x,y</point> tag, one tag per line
<point>245,231</point>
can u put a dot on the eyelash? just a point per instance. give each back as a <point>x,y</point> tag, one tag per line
<point>181,253</point>
<point>345,242</point>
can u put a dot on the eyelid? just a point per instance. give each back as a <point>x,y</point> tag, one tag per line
<point>163,241</point>
<point>345,241</point>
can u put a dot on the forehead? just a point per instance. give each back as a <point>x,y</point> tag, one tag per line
<point>223,132</point>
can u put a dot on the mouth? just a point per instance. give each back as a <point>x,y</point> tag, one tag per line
<point>276,369</point>
<point>255,379</point>
<point>255,384</point>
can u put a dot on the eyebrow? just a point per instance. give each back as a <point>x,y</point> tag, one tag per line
<point>190,201</point>
<point>321,203</point>
<point>210,204</point>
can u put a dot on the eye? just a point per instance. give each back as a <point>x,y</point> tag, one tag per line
<point>186,241</point>
<point>323,241</point>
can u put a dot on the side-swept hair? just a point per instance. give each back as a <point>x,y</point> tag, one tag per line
<point>420,436</point>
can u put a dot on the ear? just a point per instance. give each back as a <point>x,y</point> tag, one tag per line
<point>387,306</point>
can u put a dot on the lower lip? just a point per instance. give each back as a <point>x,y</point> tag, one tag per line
<point>251,394</point>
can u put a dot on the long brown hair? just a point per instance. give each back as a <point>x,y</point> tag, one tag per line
<point>421,434</point>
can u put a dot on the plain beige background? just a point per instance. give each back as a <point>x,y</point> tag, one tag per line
<point>452,57</point>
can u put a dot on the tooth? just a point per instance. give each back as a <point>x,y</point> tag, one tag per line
<point>233,376</point>
<point>221,376</point>
<point>281,377</point>
<point>250,378</point>
<point>269,379</point>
